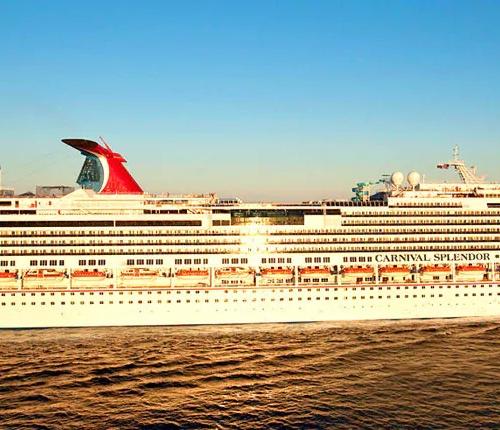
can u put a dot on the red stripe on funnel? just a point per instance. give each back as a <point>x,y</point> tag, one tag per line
<point>120,181</point>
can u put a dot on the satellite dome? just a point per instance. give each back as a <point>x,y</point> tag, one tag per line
<point>397,179</point>
<point>413,178</point>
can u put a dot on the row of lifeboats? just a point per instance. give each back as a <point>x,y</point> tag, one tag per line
<point>406,269</point>
<point>242,273</point>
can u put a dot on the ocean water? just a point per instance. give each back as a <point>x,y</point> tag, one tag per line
<point>440,374</point>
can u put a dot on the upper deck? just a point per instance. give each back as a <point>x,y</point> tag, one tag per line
<point>109,190</point>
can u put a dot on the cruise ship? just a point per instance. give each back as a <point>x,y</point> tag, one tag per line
<point>110,254</point>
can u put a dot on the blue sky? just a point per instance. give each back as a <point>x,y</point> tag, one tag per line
<point>286,100</point>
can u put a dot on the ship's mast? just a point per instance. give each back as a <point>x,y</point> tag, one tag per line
<point>467,174</point>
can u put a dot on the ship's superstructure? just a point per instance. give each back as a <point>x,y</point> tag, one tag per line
<point>110,254</point>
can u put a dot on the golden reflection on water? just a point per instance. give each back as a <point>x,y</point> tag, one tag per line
<point>427,374</point>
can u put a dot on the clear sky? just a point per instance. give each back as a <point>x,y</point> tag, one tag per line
<point>286,100</point>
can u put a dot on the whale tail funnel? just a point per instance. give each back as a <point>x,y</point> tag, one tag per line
<point>103,170</point>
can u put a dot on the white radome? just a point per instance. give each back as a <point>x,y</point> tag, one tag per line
<point>413,178</point>
<point>397,179</point>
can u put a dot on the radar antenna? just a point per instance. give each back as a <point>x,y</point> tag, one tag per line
<point>467,174</point>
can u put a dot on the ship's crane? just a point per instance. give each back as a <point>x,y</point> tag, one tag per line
<point>362,190</point>
<point>467,174</point>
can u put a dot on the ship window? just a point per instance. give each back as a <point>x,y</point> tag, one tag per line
<point>178,261</point>
<point>33,262</point>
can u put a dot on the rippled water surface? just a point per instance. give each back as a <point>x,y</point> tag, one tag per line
<point>425,374</point>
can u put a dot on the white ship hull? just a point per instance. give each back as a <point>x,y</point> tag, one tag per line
<point>246,305</point>
<point>110,254</point>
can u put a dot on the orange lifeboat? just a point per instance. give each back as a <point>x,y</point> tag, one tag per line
<point>435,269</point>
<point>471,268</point>
<point>394,269</point>
<point>277,272</point>
<point>314,271</point>
<point>139,273</point>
<point>88,274</point>
<point>7,276</point>
<point>192,273</point>
<point>41,274</point>
<point>232,272</point>
<point>357,271</point>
